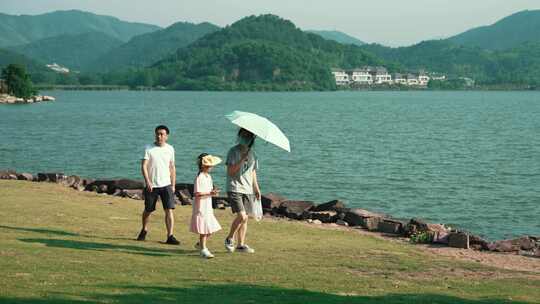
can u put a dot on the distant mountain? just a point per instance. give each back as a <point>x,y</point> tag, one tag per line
<point>76,52</point>
<point>435,56</point>
<point>258,52</point>
<point>24,29</point>
<point>505,34</point>
<point>338,37</point>
<point>148,48</point>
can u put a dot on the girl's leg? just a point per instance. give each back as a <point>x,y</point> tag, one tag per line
<point>202,240</point>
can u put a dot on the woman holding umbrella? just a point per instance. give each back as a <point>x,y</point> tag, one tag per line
<point>242,188</point>
<point>242,185</point>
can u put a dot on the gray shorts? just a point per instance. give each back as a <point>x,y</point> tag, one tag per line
<point>238,201</point>
<point>164,193</point>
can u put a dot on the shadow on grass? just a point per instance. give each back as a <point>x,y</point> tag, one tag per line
<point>239,293</point>
<point>72,244</point>
<point>40,230</point>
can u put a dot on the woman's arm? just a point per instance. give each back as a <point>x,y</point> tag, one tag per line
<point>256,188</point>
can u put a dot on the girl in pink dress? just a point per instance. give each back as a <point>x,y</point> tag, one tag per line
<point>203,221</point>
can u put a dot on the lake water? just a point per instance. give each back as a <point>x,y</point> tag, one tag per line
<point>468,159</point>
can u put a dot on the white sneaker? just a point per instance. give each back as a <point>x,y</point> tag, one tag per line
<point>205,253</point>
<point>229,245</point>
<point>245,249</point>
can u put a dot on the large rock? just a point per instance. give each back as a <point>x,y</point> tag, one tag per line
<point>185,186</point>
<point>50,177</point>
<point>110,186</point>
<point>334,205</point>
<point>324,216</point>
<point>184,196</point>
<point>8,174</point>
<point>416,225</point>
<point>128,184</point>
<point>271,201</point>
<point>71,180</point>
<point>136,194</point>
<point>81,183</point>
<point>25,176</point>
<point>391,226</point>
<point>514,245</point>
<point>220,202</point>
<point>103,188</point>
<point>478,243</point>
<point>363,218</point>
<point>459,240</point>
<point>295,209</point>
<point>441,237</point>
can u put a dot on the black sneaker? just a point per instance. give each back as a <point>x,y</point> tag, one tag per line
<point>142,235</point>
<point>171,240</point>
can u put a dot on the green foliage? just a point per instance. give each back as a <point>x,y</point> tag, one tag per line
<point>450,84</point>
<point>261,53</point>
<point>18,81</point>
<point>421,237</point>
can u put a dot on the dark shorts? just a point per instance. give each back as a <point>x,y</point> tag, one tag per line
<point>239,201</point>
<point>164,193</point>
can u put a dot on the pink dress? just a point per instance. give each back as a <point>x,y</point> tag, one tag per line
<point>203,220</point>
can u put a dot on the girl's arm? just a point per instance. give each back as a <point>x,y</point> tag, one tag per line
<point>205,194</point>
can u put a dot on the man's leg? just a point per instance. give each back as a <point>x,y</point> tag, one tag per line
<point>168,201</point>
<point>149,206</point>
<point>169,221</point>
<point>145,220</point>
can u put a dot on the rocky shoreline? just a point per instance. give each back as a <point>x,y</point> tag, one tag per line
<point>334,212</point>
<point>8,99</point>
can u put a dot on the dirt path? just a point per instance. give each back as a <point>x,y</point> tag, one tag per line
<point>504,261</point>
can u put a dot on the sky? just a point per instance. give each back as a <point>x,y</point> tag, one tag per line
<point>390,22</point>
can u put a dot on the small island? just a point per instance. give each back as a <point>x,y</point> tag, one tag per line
<point>16,87</point>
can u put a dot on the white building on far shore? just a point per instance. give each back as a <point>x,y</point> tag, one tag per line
<point>380,75</point>
<point>58,68</point>
<point>423,79</point>
<point>399,79</point>
<point>412,80</point>
<point>361,76</point>
<point>342,78</point>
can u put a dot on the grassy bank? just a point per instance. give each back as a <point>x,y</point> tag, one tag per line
<point>61,246</point>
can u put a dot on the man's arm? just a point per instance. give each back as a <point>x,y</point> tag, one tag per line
<point>144,170</point>
<point>172,169</point>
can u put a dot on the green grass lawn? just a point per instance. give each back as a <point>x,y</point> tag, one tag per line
<point>58,245</point>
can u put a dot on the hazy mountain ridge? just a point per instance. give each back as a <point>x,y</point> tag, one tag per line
<point>24,29</point>
<point>338,37</point>
<point>75,51</point>
<point>145,49</point>
<point>506,33</point>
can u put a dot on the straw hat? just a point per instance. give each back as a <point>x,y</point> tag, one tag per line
<point>210,161</point>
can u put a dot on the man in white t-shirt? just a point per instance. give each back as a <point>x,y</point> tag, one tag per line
<point>159,175</point>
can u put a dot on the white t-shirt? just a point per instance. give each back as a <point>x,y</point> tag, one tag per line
<point>159,158</point>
